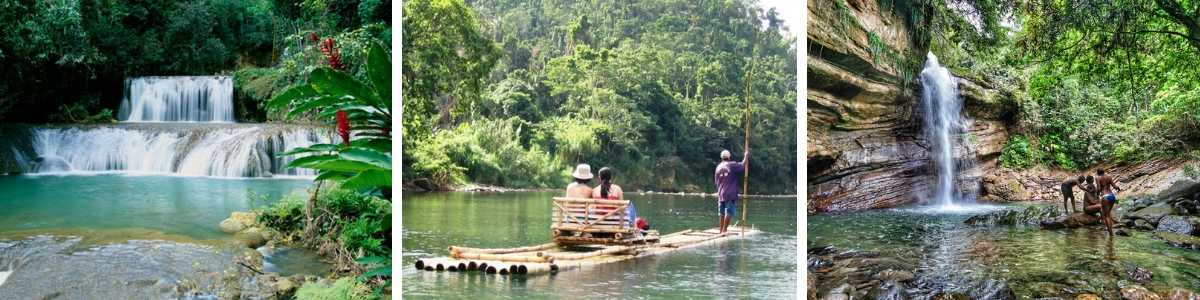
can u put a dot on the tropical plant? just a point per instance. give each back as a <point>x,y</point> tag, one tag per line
<point>361,108</point>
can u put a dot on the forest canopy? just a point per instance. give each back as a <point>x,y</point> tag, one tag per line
<point>515,93</point>
<point>1095,81</point>
<point>63,56</point>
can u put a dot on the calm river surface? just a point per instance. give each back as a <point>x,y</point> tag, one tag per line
<point>762,266</point>
<point>113,236</point>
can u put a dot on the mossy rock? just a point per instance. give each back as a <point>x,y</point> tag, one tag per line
<point>1178,240</point>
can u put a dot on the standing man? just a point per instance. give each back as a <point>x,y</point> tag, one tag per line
<point>727,174</point>
<point>1108,198</point>
<point>1068,193</point>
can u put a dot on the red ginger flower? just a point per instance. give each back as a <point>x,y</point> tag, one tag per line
<point>329,48</point>
<point>312,36</point>
<point>343,127</point>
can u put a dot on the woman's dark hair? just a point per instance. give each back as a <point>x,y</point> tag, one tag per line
<point>605,181</point>
<point>1100,172</point>
<point>583,181</point>
<point>1089,178</point>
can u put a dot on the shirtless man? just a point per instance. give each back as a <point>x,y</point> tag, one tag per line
<point>1091,197</point>
<point>1108,198</point>
<point>1068,193</point>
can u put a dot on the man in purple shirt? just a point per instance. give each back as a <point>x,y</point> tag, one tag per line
<point>726,176</point>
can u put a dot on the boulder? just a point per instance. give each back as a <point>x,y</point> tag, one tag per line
<point>1005,189</point>
<point>1152,213</point>
<point>1137,292</point>
<point>1087,297</point>
<point>1074,220</point>
<point>251,238</point>
<point>1176,224</point>
<point>1028,216</point>
<point>238,221</point>
<point>1142,224</point>
<point>1182,294</point>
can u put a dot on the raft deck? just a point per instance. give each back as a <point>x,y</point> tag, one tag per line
<point>552,257</point>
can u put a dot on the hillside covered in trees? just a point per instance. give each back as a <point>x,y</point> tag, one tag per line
<point>515,93</point>
<point>66,61</point>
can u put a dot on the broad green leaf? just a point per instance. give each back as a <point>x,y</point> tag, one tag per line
<point>380,271</point>
<point>316,102</point>
<point>334,175</point>
<point>369,179</point>
<point>379,69</point>
<point>344,165</point>
<point>367,155</point>
<point>309,161</point>
<point>292,93</point>
<point>329,81</point>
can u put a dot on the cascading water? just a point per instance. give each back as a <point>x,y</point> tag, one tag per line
<point>944,128</point>
<point>214,150</point>
<point>178,99</point>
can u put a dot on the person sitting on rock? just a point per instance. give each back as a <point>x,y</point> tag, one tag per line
<point>1091,197</point>
<point>1106,185</point>
<point>1068,193</point>
<point>579,188</point>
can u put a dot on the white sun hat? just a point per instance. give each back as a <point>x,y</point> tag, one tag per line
<point>726,154</point>
<point>583,171</point>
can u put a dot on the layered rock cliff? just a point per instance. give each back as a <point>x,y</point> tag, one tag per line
<point>865,144</point>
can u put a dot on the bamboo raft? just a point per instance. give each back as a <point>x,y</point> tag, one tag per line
<point>553,257</point>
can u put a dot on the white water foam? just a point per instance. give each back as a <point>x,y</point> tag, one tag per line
<point>249,151</point>
<point>4,276</point>
<point>178,99</point>
<point>944,128</point>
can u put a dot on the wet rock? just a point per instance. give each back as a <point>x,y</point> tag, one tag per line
<point>812,286</point>
<point>1153,213</point>
<point>1142,225</point>
<point>890,290</point>
<point>822,250</point>
<point>842,292</point>
<point>1121,232</point>
<point>950,296</point>
<point>1176,224</point>
<point>1005,189</point>
<point>994,289</point>
<point>1137,292</point>
<point>1087,297</point>
<point>894,275</point>
<point>1182,294</point>
<point>1138,274</point>
<point>1178,240</point>
<point>1028,216</point>
<point>251,238</point>
<point>285,287</point>
<point>238,221</point>
<point>1074,220</point>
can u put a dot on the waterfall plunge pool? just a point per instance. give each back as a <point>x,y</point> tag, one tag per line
<point>946,254</point>
<point>118,236</point>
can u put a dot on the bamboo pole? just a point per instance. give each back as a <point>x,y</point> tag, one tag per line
<point>545,246</point>
<point>501,257</point>
<point>746,146</point>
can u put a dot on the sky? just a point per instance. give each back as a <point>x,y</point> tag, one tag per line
<point>789,11</point>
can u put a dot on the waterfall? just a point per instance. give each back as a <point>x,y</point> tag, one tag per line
<point>944,128</point>
<point>234,150</point>
<point>178,99</point>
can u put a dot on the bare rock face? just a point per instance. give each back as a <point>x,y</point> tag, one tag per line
<point>865,144</point>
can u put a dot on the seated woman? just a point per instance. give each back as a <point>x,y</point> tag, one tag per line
<point>609,191</point>
<point>579,188</point>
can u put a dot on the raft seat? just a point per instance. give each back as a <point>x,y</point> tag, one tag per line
<point>580,221</point>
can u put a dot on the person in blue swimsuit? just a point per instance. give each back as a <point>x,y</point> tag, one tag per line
<point>1108,198</point>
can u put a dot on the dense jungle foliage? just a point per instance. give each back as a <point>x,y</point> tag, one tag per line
<point>1095,81</point>
<point>515,93</point>
<point>66,60</point>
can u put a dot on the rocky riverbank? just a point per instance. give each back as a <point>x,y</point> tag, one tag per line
<point>248,277</point>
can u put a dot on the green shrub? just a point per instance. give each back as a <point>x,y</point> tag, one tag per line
<point>345,288</point>
<point>283,216</point>
<point>488,152</point>
<point>1019,154</point>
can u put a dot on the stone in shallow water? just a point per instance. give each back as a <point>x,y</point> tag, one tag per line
<point>1137,292</point>
<point>1074,220</point>
<point>1176,224</point>
<point>1153,213</point>
<point>1087,297</point>
<point>1178,240</point>
<point>1182,294</point>
<point>1029,216</point>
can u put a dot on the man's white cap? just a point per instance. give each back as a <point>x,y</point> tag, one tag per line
<point>583,171</point>
<point>726,154</point>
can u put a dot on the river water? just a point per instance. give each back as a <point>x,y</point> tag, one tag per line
<point>112,236</point>
<point>949,254</point>
<point>762,266</point>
